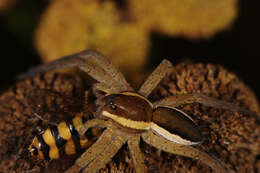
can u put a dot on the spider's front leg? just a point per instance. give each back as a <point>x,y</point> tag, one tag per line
<point>91,62</point>
<point>88,156</point>
<point>92,123</point>
<point>108,153</point>
<point>115,73</point>
<point>136,154</point>
<point>183,150</point>
<point>97,87</point>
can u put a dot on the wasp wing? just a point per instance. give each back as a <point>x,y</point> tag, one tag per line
<point>52,106</point>
<point>60,165</point>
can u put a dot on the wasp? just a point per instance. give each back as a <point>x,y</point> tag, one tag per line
<point>61,137</point>
<point>47,144</point>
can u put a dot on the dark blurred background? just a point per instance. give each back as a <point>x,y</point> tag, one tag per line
<point>237,48</point>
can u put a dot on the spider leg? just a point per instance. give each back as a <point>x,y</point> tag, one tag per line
<point>97,87</point>
<point>92,123</point>
<point>177,100</point>
<point>153,80</point>
<point>109,67</point>
<point>136,154</point>
<point>85,61</point>
<point>103,158</point>
<point>183,150</point>
<point>88,156</point>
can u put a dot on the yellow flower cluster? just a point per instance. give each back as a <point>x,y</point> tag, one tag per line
<point>71,26</point>
<point>123,32</point>
<point>189,18</point>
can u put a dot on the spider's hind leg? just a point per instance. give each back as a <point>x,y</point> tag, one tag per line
<point>183,150</point>
<point>178,100</point>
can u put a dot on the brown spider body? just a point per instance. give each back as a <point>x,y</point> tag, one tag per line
<point>134,112</point>
<point>128,116</point>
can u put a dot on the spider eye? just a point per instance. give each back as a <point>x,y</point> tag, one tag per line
<point>112,106</point>
<point>34,151</point>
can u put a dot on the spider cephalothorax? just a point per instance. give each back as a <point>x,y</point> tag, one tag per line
<point>128,116</point>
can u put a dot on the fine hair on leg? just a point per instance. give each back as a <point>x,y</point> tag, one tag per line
<point>97,148</point>
<point>183,150</point>
<point>103,158</point>
<point>178,100</point>
<point>154,79</point>
<point>136,154</point>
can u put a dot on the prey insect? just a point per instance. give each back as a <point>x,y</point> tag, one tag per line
<point>47,144</point>
<point>60,139</point>
<point>128,116</point>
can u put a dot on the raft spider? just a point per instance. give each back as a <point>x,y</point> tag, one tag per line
<point>128,116</point>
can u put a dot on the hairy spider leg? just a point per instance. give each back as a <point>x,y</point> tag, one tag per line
<point>97,87</point>
<point>87,62</point>
<point>133,142</point>
<point>183,150</point>
<point>93,123</point>
<point>153,80</point>
<point>178,100</point>
<point>109,152</point>
<point>110,68</point>
<point>91,153</point>
<point>136,154</point>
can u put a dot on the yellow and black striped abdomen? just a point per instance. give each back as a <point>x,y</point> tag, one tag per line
<point>59,140</point>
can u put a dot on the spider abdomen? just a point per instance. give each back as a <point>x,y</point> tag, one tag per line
<point>62,139</point>
<point>176,126</point>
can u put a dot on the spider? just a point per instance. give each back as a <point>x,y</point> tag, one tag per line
<point>127,116</point>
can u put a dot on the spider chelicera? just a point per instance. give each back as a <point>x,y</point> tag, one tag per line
<point>128,116</point>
